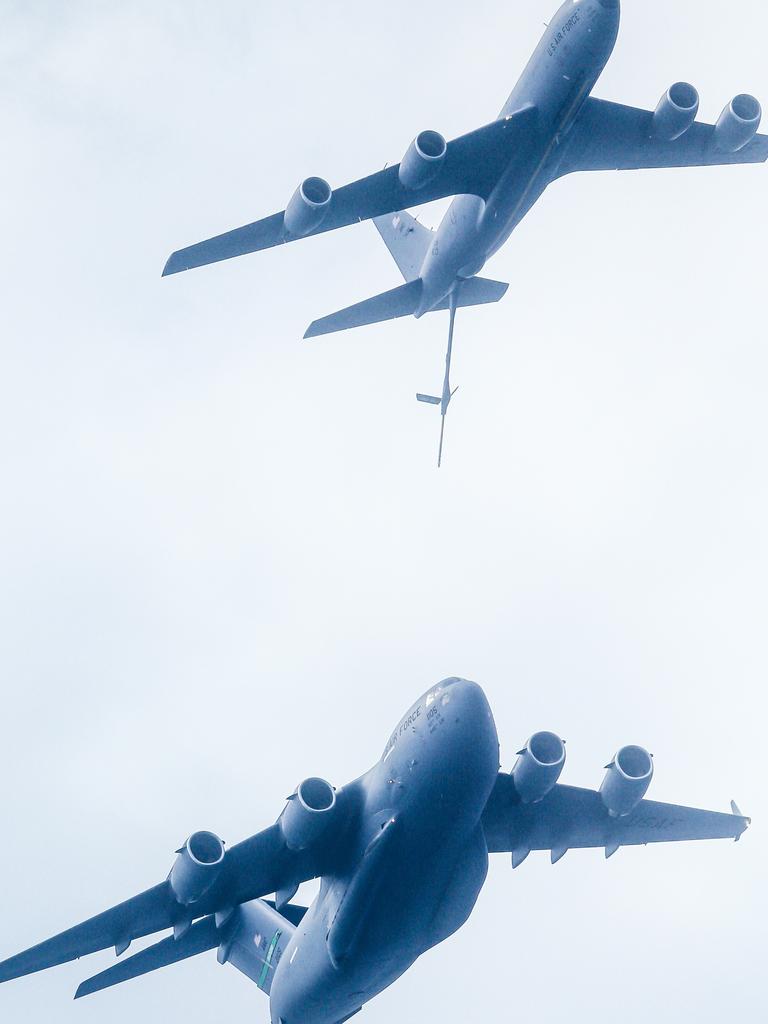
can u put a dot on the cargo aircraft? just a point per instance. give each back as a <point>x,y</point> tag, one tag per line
<point>550,126</point>
<point>401,853</point>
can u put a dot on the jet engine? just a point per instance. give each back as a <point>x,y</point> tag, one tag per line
<point>308,813</point>
<point>422,160</point>
<point>197,866</point>
<point>738,123</point>
<point>626,781</point>
<point>538,766</point>
<point>308,207</point>
<point>676,112</point>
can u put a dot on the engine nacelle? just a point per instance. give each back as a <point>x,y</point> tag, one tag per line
<point>422,160</point>
<point>538,766</point>
<point>676,112</point>
<point>627,780</point>
<point>308,207</point>
<point>197,866</point>
<point>738,123</point>
<point>308,814</point>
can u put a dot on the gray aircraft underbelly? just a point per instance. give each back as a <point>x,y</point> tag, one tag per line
<point>556,83</point>
<point>421,860</point>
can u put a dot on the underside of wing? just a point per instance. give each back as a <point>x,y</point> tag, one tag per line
<point>139,916</point>
<point>610,136</point>
<point>257,866</point>
<point>239,936</point>
<point>201,937</point>
<point>570,818</point>
<point>471,164</point>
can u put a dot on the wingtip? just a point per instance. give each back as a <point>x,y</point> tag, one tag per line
<point>312,331</point>
<point>169,268</point>
<point>736,810</point>
<point>744,821</point>
<point>89,986</point>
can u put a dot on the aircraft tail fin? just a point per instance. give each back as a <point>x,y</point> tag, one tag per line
<point>401,301</point>
<point>407,241</point>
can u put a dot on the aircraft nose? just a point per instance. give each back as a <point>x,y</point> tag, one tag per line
<point>464,691</point>
<point>466,702</point>
<point>474,748</point>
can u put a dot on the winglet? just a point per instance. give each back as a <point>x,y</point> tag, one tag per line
<point>737,813</point>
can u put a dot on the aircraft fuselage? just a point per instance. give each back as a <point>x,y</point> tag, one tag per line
<point>556,81</point>
<point>420,853</point>
<point>418,859</point>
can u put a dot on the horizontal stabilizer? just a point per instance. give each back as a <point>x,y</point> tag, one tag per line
<point>431,399</point>
<point>402,301</point>
<point>202,936</point>
<point>475,291</point>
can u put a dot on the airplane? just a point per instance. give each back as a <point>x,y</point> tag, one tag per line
<point>550,126</point>
<point>436,798</point>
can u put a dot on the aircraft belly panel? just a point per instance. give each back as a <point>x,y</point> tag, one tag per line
<point>435,783</point>
<point>420,863</point>
<point>460,896</point>
<point>382,926</point>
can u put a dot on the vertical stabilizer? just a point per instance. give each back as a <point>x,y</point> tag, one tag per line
<point>406,239</point>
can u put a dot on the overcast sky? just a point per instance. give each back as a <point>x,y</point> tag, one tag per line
<point>228,560</point>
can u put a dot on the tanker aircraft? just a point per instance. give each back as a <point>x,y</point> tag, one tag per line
<point>435,797</point>
<point>550,126</point>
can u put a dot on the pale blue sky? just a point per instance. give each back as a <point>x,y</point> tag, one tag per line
<point>228,561</point>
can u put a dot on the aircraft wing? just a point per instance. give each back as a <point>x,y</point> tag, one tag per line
<point>472,164</point>
<point>253,868</point>
<point>202,936</point>
<point>571,818</point>
<point>610,136</point>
